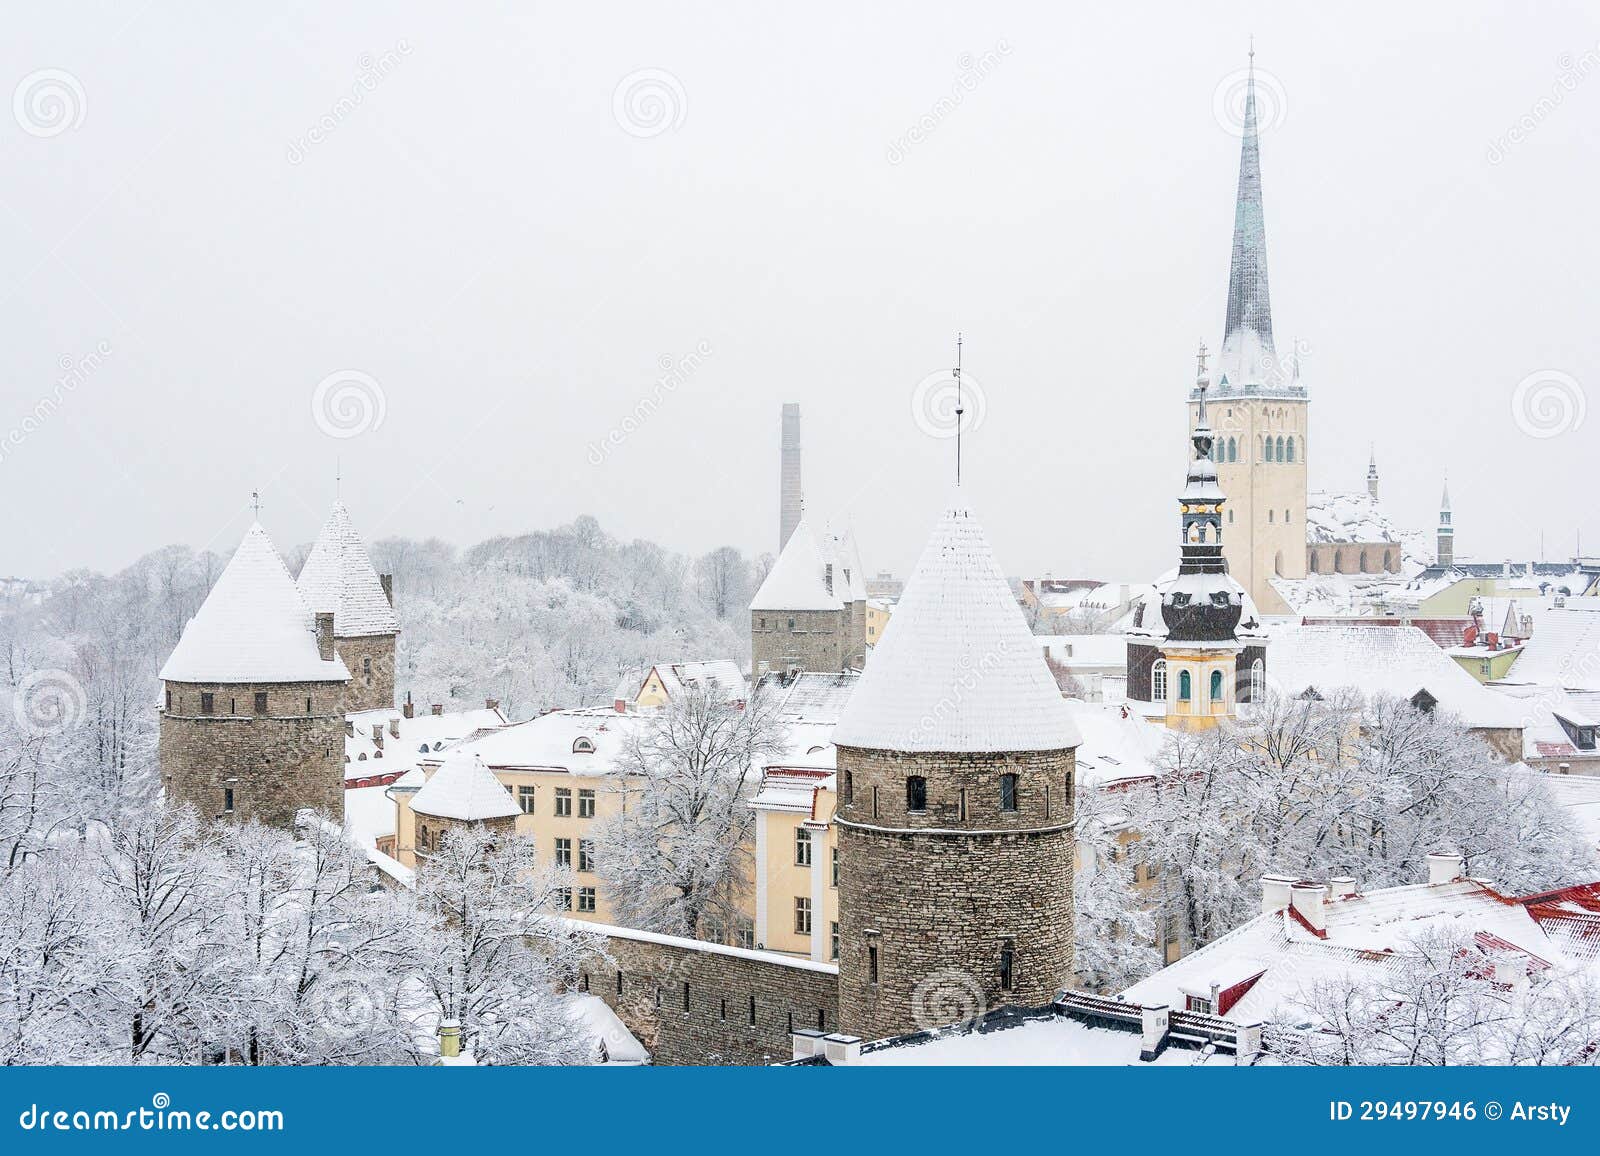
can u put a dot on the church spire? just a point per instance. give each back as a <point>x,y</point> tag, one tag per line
<point>1372,472</point>
<point>1248,355</point>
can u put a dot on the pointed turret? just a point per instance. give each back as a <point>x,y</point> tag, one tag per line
<point>1445,554</point>
<point>1249,357</point>
<point>338,577</point>
<point>1372,473</point>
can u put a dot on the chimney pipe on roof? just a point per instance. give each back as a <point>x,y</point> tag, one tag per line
<point>387,582</point>
<point>1445,867</point>
<point>491,704</point>
<point>377,735</point>
<point>1275,893</point>
<point>1307,898</point>
<point>325,635</point>
<point>394,728</point>
<point>1341,887</point>
<point>408,710</point>
<point>437,708</point>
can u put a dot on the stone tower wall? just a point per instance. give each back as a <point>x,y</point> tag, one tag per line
<point>371,664</point>
<point>940,894</point>
<point>276,763</point>
<point>817,642</point>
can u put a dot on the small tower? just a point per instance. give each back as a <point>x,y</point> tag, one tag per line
<point>462,793</point>
<point>338,577</point>
<point>252,722</point>
<point>1197,647</point>
<point>1372,473</point>
<point>1446,554</point>
<point>956,756</point>
<point>811,612</point>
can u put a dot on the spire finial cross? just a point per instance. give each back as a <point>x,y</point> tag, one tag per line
<point>255,503</point>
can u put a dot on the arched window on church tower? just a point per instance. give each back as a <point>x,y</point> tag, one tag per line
<point>1216,686</point>
<point>1291,449</point>
<point>1280,449</point>
<point>1185,686</point>
<point>1158,681</point>
<point>1258,680</point>
<point>1233,449</point>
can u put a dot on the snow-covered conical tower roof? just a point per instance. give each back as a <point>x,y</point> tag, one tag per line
<point>253,627</point>
<point>464,788</point>
<point>957,669</point>
<point>798,579</point>
<point>339,576</point>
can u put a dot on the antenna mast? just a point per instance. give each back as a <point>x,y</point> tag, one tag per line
<point>959,409</point>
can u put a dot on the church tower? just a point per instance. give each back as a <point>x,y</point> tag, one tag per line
<point>1259,405</point>
<point>1446,552</point>
<point>956,757</point>
<point>1372,474</point>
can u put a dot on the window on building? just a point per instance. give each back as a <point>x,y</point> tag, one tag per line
<point>1291,449</point>
<point>802,915</point>
<point>791,627</point>
<point>1270,516</point>
<point>423,839</point>
<point>308,704</point>
<point>563,802</point>
<point>525,799</point>
<point>722,1007</point>
<point>834,880</point>
<point>619,981</point>
<point>1047,800</point>
<point>1008,955</point>
<point>563,852</point>
<point>233,706</point>
<point>833,940</point>
<point>847,787</point>
<point>1233,449</point>
<point>261,702</point>
<point>169,698</point>
<point>1158,681</point>
<point>685,995</point>
<point>208,702</point>
<point>585,804</point>
<point>744,934</point>
<point>1216,686</point>
<point>366,666</point>
<point>564,899</point>
<point>583,745</point>
<point>874,802</point>
<point>1280,449</point>
<point>227,800</point>
<point>802,847</point>
<point>752,1009</point>
<point>916,793</point>
<point>1258,680</point>
<point>586,899</point>
<point>585,854</point>
<point>1008,792</point>
<point>961,804</point>
<point>1185,688</point>
<point>872,963</point>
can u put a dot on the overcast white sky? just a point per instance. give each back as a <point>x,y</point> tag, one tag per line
<point>484,238</point>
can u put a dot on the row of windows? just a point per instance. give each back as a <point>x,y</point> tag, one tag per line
<point>525,796</point>
<point>208,702</point>
<point>917,794</point>
<point>1007,963</point>
<point>803,847</point>
<point>1268,449</point>
<point>587,898</point>
<point>1218,689</point>
<point>585,854</point>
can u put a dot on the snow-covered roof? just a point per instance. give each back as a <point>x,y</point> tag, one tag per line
<point>253,627</point>
<point>587,742</point>
<point>1394,660</point>
<point>721,675</point>
<point>793,789</point>
<point>1334,516</point>
<point>814,696</point>
<point>1147,622</point>
<point>614,1043</point>
<point>798,579</point>
<point>464,788</point>
<point>435,732</point>
<point>338,576</point>
<point>1076,651</point>
<point>845,554</point>
<point>1042,1041</point>
<point>957,669</point>
<point>1118,744</point>
<point>1564,649</point>
<point>1364,933</point>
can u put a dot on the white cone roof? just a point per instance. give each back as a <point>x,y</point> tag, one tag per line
<point>338,576</point>
<point>796,581</point>
<point>253,627</point>
<point>957,669</point>
<point>464,788</point>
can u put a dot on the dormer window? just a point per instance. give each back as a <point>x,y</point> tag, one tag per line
<point>583,745</point>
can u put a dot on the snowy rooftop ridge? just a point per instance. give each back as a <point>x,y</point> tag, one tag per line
<point>339,576</point>
<point>798,579</point>
<point>1347,516</point>
<point>464,788</point>
<point>253,627</point>
<point>957,669</point>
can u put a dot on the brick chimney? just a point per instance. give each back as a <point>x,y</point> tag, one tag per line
<point>1275,893</point>
<point>491,704</point>
<point>377,735</point>
<point>394,728</point>
<point>387,581</point>
<point>1307,899</point>
<point>1342,887</point>
<point>436,709</point>
<point>325,635</point>
<point>408,710</point>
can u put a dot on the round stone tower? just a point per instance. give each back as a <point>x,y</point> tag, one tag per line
<point>252,720</point>
<point>955,786</point>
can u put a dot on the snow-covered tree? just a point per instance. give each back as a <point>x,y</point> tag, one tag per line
<point>1114,921</point>
<point>679,848</point>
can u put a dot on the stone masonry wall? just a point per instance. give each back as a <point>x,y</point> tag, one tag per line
<point>371,664</point>
<point>723,985</point>
<point>817,641</point>
<point>276,763</point>
<point>941,893</point>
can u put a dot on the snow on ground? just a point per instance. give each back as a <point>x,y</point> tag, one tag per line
<point>1055,1040</point>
